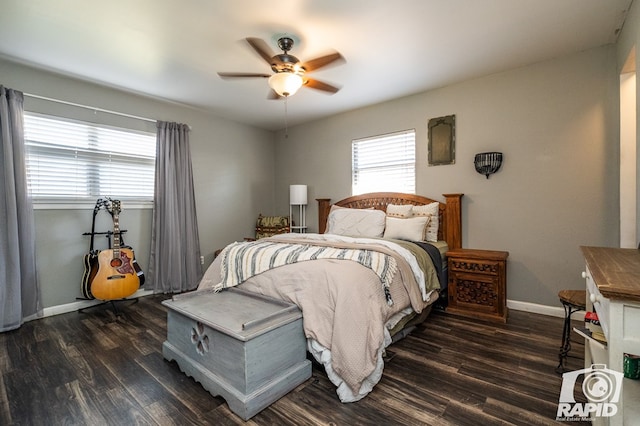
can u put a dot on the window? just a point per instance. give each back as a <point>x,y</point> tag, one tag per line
<point>384,163</point>
<point>78,161</point>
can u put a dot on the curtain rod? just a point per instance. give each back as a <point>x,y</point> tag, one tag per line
<point>122,114</point>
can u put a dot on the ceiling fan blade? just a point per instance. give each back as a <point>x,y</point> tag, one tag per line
<point>261,47</point>
<point>319,85</point>
<point>242,75</point>
<point>322,61</point>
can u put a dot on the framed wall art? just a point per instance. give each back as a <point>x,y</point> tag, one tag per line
<point>442,140</point>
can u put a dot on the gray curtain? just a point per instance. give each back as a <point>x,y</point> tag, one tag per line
<point>19,290</point>
<point>174,264</point>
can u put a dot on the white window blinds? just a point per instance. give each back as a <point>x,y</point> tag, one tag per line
<point>384,163</point>
<point>78,161</point>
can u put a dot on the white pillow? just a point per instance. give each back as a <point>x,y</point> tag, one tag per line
<point>399,210</point>
<point>432,211</point>
<point>356,222</point>
<point>412,228</point>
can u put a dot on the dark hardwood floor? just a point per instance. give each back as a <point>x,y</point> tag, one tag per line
<point>95,368</point>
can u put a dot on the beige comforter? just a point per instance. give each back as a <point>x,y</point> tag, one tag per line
<point>343,305</point>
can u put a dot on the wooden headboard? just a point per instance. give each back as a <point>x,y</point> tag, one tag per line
<point>450,229</point>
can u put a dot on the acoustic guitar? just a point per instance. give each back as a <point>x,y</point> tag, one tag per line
<point>116,277</point>
<point>90,260</point>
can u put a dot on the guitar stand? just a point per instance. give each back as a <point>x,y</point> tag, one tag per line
<point>112,302</point>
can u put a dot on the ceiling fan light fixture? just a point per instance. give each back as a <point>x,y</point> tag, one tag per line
<point>285,83</point>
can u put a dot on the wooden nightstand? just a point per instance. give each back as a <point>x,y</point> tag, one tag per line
<point>478,283</point>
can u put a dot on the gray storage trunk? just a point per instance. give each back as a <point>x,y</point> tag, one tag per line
<point>247,348</point>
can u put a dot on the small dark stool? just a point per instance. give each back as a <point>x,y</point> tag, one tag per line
<point>572,301</point>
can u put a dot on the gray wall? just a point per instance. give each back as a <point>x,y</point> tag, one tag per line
<point>233,167</point>
<point>556,123</point>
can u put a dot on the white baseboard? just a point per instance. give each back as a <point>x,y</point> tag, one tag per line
<point>81,304</point>
<point>553,311</point>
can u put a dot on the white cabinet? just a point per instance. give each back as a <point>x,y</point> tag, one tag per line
<point>613,290</point>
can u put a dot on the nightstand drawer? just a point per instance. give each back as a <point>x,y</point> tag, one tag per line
<point>473,292</point>
<point>489,267</point>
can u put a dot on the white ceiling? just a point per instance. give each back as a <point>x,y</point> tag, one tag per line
<point>173,49</point>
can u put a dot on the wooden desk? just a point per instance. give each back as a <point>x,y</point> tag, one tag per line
<point>613,290</point>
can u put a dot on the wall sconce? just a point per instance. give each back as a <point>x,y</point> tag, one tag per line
<point>488,163</point>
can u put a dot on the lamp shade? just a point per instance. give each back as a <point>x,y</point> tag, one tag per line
<point>285,83</point>
<point>298,194</point>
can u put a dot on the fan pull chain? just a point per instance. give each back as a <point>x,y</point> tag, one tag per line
<point>286,125</point>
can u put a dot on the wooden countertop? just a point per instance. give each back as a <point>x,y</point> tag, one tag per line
<point>615,271</point>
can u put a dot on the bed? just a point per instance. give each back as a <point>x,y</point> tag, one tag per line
<point>359,288</point>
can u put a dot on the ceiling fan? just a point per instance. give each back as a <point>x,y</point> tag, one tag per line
<point>289,72</point>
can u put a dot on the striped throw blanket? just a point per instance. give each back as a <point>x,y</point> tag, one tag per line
<point>242,260</point>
